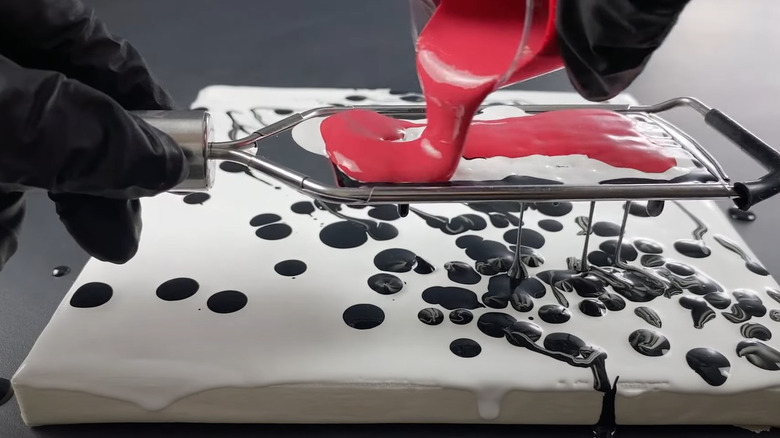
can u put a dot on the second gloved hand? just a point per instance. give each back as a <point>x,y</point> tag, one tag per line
<point>66,86</point>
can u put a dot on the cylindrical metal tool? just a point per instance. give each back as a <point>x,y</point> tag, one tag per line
<point>194,132</point>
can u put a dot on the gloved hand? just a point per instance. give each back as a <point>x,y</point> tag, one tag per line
<point>66,86</point>
<point>605,44</point>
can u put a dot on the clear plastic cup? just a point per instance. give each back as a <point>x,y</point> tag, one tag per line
<point>537,52</point>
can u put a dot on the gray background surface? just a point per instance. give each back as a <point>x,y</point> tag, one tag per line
<point>723,52</point>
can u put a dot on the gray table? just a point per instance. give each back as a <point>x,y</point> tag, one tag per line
<point>359,43</point>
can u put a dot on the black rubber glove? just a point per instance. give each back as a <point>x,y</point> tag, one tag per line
<point>606,44</point>
<point>66,86</point>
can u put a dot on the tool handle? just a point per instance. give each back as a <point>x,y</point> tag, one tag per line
<point>193,131</point>
<point>749,192</point>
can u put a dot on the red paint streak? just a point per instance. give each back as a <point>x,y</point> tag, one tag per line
<point>467,50</point>
<point>599,134</point>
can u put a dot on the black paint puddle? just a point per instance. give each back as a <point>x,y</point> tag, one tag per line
<point>451,298</point>
<point>529,238</point>
<point>554,314</point>
<point>627,251</point>
<point>290,268</point>
<point>384,212</point>
<point>196,198</point>
<point>700,310</point>
<point>395,260</point>
<point>270,227</point>
<point>363,316</point>
<point>91,295</point>
<point>461,316</point>
<point>352,232</point>
<point>550,225</point>
<point>6,391</point>
<point>555,209</point>
<point>385,284</point>
<point>648,315</point>
<point>303,207</point>
<point>177,289</point>
<point>648,246</point>
<point>491,257</point>
<point>759,354</point>
<point>504,290</point>
<point>755,330</point>
<point>227,301</point>
<point>465,348</point>
<point>463,273</point>
<point>592,307</point>
<point>60,271</point>
<point>748,305</point>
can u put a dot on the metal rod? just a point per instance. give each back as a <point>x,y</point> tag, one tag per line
<point>584,262</point>
<point>517,270</point>
<point>616,261</point>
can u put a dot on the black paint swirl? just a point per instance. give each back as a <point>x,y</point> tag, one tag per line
<point>385,284</point>
<point>709,364</point>
<point>648,246</point>
<point>430,316</point>
<point>461,316</point>
<point>648,315</point>
<point>755,330</point>
<point>759,354</point>
<point>700,311</point>
<point>649,342</point>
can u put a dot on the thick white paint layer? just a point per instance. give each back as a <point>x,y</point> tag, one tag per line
<point>151,353</point>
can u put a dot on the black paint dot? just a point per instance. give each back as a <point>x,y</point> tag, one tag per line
<point>462,273</point>
<point>231,167</point>
<point>593,307</point>
<point>196,198</point>
<point>550,225</point>
<point>709,364</point>
<point>356,98</point>
<point>495,324</point>
<point>384,212</point>
<point>430,316</point>
<point>461,316</point>
<point>554,314</point>
<point>529,238</point>
<point>465,348</point>
<point>60,271</point>
<point>395,260</point>
<point>283,112</point>
<point>91,295</point>
<point>451,298</point>
<point>177,289</point>
<point>564,343</point>
<point>274,232</point>
<point>364,316</point>
<point>606,229</point>
<point>343,235</point>
<point>385,284</point>
<point>6,391</point>
<point>227,301</point>
<point>303,207</point>
<point>555,209</point>
<point>649,342</point>
<point>290,268</point>
<point>264,219</point>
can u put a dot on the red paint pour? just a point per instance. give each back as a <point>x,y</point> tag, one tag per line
<point>466,51</point>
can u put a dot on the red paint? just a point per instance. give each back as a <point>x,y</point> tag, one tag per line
<point>477,44</point>
<point>599,134</point>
